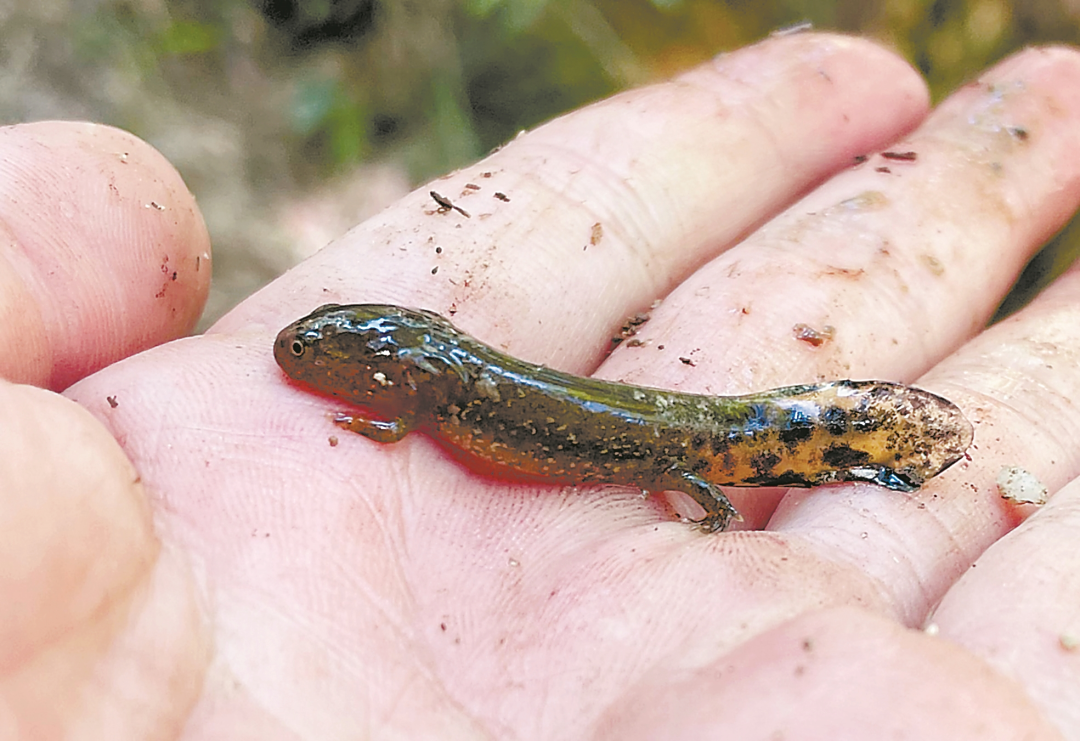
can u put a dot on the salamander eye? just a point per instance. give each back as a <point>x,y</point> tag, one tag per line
<point>298,348</point>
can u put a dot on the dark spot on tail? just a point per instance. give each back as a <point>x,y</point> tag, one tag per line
<point>835,420</point>
<point>844,456</point>
<point>796,432</point>
<point>764,463</point>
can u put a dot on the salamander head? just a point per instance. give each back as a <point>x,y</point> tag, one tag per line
<point>374,355</point>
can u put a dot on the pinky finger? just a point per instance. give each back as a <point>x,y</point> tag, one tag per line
<point>1018,608</point>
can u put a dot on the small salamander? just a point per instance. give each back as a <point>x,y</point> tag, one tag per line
<point>413,370</point>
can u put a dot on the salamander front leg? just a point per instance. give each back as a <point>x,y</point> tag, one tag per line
<point>381,431</point>
<point>719,511</point>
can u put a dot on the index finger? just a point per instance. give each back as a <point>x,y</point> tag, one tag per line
<point>104,251</point>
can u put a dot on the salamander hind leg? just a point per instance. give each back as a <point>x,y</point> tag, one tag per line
<point>381,431</point>
<point>719,511</point>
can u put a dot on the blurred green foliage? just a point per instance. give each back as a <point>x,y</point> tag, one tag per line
<point>508,65</point>
<point>486,69</point>
<point>315,87</point>
<point>188,37</point>
<point>441,82</point>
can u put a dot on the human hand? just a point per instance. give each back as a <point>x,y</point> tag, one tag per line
<point>259,581</point>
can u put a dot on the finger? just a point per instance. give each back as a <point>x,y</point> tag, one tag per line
<point>104,252</point>
<point>839,673</point>
<point>97,630</point>
<point>888,266</point>
<point>1017,608</point>
<point>881,274</point>
<point>609,207</point>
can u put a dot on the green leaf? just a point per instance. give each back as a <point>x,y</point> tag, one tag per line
<point>188,37</point>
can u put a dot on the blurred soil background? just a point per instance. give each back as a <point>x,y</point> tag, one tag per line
<point>292,121</point>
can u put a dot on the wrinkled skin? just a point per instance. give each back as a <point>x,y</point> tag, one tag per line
<point>189,555</point>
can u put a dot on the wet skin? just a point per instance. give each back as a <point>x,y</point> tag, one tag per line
<point>411,370</point>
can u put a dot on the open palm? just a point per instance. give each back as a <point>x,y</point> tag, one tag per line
<point>255,572</point>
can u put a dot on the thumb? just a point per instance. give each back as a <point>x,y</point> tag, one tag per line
<point>102,254</point>
<point>99,631</point>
